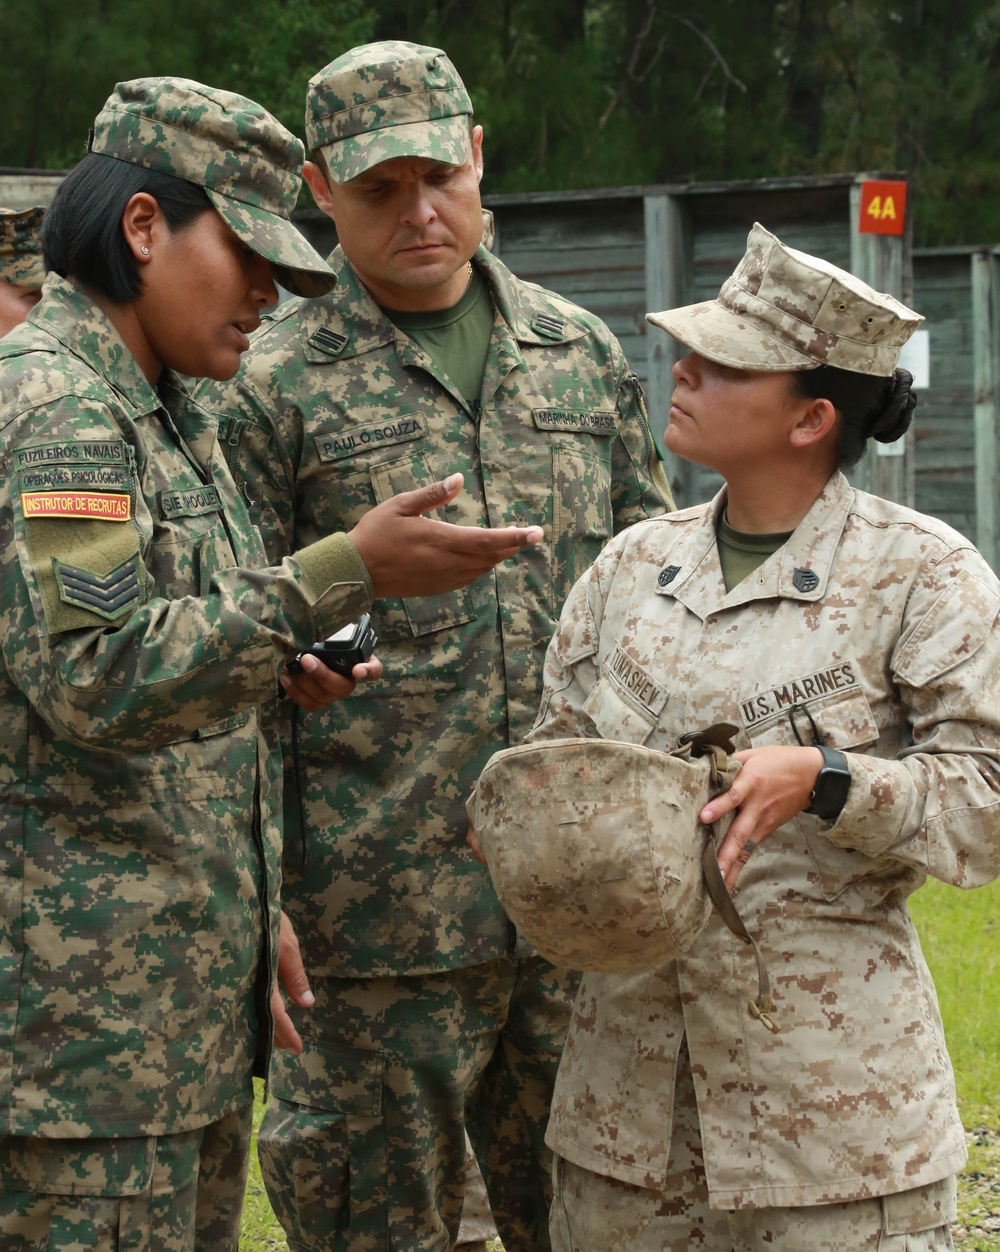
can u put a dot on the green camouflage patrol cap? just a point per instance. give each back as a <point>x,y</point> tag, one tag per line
<point>786,310</point>
<point>248,163</point>
<point>21,247</point>
<point>385,100</point>
<point>597,853</point>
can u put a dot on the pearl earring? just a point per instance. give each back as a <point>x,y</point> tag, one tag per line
<point>144,250</point>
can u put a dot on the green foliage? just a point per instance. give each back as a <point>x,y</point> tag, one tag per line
<point>580,93</point>
<point>61,60</point>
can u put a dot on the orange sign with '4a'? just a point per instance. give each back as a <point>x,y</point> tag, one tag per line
<point>883,207</point>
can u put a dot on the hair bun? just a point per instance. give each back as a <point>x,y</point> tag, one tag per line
<point>897,412</point>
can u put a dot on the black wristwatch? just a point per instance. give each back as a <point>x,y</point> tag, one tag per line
<point>833,782</point>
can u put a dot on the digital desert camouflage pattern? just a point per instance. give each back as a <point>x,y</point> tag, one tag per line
<point>385,100</point>
<point>21,261</point>
<point>248,163</point>
<point>333,411</point>
<point>595,848</point>
<point>880,625</point>
<point>140,838</point>
<point>786,310</point>
<point>592,1212</point>
<point>357,1102</point>
<point>166,1194</point>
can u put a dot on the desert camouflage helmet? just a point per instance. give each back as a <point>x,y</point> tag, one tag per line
<point>21,247</point>
<point>248,163</point>
<point>782,309</point>
<point>597,854</point>
<point>386,100</point>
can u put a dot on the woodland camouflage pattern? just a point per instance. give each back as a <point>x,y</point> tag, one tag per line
<point>139,885</point>
<point>248,163</point>
<point>595,849</point>
<point>786,310</point>
<point>386,100</point>
<point>887,622</point>
<point>21,247</point>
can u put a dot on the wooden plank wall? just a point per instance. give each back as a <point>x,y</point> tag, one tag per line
<point>591,252</point>
<point>943,420</point>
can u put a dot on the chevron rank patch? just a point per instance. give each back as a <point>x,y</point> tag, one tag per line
<point>101,506</point>
<point>109,595</point>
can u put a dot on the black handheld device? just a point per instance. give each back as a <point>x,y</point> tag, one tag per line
<point>341,652</point>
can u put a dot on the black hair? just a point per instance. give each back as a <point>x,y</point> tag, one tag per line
<point>870,406</point>
<point>82,233</point>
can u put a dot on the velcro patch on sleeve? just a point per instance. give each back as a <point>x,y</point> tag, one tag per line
<point>109,595</point>
<point>602,422</point>
<point>104,506</point>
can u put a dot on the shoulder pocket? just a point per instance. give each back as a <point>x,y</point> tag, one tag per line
<point>88,573</point>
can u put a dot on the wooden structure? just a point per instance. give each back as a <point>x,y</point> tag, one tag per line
<point>623,251</point>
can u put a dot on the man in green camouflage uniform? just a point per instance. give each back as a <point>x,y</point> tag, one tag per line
<point>139,916</point>
<point>21,268</point>
<point>429,354</point>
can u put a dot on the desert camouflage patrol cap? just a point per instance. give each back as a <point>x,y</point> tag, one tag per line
<point>782,309</point>
<point>249,164</point>
<point>596,851</point>
<point>386,100</point>
<point>21,247</point>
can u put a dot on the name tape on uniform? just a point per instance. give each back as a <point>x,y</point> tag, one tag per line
<point>93,505</point>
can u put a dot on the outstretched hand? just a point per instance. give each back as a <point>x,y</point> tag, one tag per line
<point>407,554</point>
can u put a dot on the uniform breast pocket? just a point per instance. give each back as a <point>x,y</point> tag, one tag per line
<point>842,720</point>
<point>616,716</point>
<point>417,615</point>
<point>582,520</point>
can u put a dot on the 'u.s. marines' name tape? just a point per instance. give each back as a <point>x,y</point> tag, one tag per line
<point>798,691</point>
<point>94,505</point>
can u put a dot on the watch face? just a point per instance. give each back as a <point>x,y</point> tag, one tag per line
<point>830,792</point>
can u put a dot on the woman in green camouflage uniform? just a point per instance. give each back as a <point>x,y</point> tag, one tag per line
<point>139,914</point>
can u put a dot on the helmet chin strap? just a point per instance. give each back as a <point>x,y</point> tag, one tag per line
<point>716,742</point>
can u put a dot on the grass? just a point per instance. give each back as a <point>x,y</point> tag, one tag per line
<point>960,933</point>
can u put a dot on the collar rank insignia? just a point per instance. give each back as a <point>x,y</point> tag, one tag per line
<point>331,341</point>
<point>549,326</point>
<point>805,580</point>
<point>667,575</point>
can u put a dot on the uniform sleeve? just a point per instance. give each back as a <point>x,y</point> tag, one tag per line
<point>262,442</point>
<point>571,668</point>
<point>639,481</point>
<point>109,663</point>
<point>937,805</point>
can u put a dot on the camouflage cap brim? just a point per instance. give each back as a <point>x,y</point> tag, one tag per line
<point>21,261</point>
<point>718,334</point>
<point>299,267</point>
<point>444,139</point>
<point>22,271</point>
<point>782,309</point>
